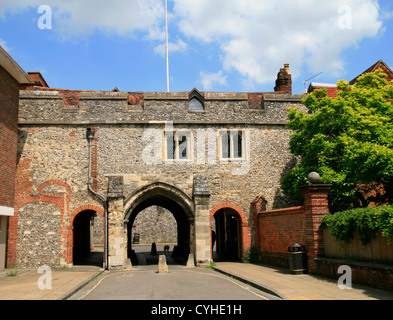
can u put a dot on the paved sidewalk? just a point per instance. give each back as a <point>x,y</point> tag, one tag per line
<point>298,287</point>
<point>25,284</point>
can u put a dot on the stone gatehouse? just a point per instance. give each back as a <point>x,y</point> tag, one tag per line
<point>202,156</point>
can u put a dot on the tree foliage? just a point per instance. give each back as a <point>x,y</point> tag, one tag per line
<point>366,221</point>
<point>348,140</point>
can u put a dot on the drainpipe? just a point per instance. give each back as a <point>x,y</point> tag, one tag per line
<point>90,136</point>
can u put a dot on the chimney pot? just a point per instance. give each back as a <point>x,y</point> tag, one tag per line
<point>286,67</point>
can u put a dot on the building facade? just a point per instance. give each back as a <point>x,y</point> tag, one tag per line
<point>11,77</point>
<point>332,90</point>
<point>202,156</point>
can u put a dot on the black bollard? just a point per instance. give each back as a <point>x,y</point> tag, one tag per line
<point>153,251</point>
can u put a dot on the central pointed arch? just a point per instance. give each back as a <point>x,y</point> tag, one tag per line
<point>171,198</point>
<point>158,189</point>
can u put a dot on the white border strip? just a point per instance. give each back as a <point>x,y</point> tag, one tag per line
<point>6,211</point>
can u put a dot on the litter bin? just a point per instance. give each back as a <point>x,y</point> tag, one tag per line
<point>297,259</point>
<point>135,240</point>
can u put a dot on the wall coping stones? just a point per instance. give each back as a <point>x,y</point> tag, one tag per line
<point>103,95</point>
<point>123,95</point>
<point>23,94</point>
<point>283,97</point>
<point>146,122</point>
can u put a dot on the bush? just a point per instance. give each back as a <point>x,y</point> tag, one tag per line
<point>367,221</point>
<point>251,255</point>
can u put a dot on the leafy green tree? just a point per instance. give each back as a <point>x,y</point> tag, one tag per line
<point>348,140</point>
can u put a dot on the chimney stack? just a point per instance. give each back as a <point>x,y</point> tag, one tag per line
<point>284,80</point>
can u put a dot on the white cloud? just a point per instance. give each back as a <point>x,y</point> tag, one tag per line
<point>387,15</point>
<point>178,46</point>
<point>256,37</point>
<point>3,44</point>
<point>208,80</point>
<point>75,17</point>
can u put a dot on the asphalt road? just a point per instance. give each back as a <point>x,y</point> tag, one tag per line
<point>179,283</point>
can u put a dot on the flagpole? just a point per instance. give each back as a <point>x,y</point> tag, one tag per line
<point>166,45</point>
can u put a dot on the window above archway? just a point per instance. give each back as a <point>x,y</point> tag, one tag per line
<point>196,101</point>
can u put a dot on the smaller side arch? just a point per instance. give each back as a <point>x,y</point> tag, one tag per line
<point>245,232</point>
<point>85,207</point>
<point>68,232</point>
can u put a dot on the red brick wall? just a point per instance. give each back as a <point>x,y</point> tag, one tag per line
<point>275,230</point>
<point>255,101</point>
<point>331,91</point>
<point>9,104</point>
<point>278,229</point>
<point>368,274</point>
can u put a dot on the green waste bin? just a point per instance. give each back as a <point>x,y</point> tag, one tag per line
<point>297,259</point>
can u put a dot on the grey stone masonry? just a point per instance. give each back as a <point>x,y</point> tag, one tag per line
<point>235,149</point>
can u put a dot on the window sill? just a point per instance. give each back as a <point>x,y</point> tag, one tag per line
<point>177,161</point>
<point>196,111</point>
<point>232,160</point>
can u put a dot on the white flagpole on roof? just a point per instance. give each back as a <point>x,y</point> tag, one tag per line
<point>166,45</point>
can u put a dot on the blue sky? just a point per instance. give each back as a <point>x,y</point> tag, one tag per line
<point>215,45</point>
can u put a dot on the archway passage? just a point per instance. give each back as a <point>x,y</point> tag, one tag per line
<point>85,252</point>
<point>178,252</point>
<point>226,235</point>
<point>167,197</point>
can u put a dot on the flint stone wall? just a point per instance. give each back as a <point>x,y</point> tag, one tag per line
<point>53,146</point>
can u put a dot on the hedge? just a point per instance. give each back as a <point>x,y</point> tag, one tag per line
<point>367,221</point>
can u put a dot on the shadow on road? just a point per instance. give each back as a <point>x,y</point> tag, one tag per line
<point>142,255</point>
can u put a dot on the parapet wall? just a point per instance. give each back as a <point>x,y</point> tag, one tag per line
<point>101,107</point>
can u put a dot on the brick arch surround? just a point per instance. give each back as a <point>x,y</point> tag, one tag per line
<point>245,235</point>
<point>69,231</point>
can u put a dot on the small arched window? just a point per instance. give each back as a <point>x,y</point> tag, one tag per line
<point>196,101</point>
<point>195,104</point>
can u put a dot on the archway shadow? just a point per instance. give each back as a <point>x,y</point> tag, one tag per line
<point>227,236</point>
<point>94,258</point>
<point>173,200</point>
<point>143,256</point>
<point>84,251</point>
